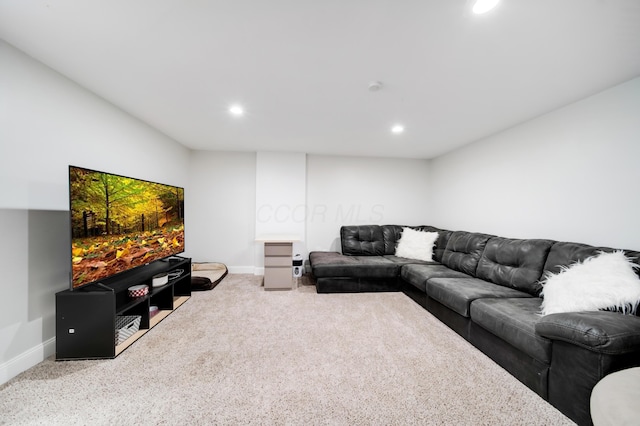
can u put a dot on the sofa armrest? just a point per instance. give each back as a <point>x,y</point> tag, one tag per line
<point>601,331</point>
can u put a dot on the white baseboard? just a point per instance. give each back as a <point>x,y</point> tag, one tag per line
<point>26,360</point>
<point>241,269</point>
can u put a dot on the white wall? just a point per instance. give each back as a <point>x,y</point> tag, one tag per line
<point>280,200</point>
<point>227,188</point>
<point>221,209</point>
<point>361,191</point>
<point>46,123</point>
<point>569,175</point>
<point>280,193</point>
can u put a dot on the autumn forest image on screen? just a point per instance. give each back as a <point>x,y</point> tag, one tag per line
<point>118,223</point>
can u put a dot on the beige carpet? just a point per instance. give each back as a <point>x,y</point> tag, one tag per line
<point>240,355</point>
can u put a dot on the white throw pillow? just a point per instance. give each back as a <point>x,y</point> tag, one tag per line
<point>416,244</point>
<point>607,280</point>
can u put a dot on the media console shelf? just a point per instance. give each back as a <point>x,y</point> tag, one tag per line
<point>86,317</point>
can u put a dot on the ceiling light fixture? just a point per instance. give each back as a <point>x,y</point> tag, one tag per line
<point>236,110</point>
<point>483,6</point>
<point>374,86</point>
<point>397,129</point>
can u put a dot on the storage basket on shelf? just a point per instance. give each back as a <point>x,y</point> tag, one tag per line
<point>126,326</point>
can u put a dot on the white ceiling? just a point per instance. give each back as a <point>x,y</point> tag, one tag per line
<point>302,68</point>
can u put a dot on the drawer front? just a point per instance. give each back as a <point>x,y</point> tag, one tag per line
<point>278,261</point>
<point>278,278</point>
<point>278,249</point>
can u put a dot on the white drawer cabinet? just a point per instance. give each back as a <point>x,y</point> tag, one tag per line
<point>278,272</point>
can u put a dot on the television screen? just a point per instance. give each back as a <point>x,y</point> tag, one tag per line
<point>119,223</point>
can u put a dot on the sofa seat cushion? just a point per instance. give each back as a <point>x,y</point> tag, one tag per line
<point>418,274</point>
<point>514,321</point>
<point>458,293</point>
<point>334,264</point>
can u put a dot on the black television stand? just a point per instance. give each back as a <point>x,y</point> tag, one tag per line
<point>102,286</point>
<point>86,318</point>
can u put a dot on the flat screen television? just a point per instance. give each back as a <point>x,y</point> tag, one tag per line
<point>119,223</point>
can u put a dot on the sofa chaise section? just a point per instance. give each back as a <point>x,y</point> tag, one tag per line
<point>367,261</point>
<point>337,273</point>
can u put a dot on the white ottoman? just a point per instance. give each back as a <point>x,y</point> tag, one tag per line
<point>615,400</point>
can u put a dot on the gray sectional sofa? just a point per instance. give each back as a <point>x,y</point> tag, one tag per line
<point>487,288</point>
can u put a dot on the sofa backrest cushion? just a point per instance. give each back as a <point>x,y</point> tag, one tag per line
<point>514,263</point>
<point>441,243</point>
<point>369,240</point>
<point>566,254</point>
<point>463,251</point>
<point>364,240</point>
<point>392,233</point>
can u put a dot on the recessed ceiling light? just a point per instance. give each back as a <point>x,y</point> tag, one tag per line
<point>374,86</point>
<point>397,129</point>
<point>236,110</point>
<point>483,6</point>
